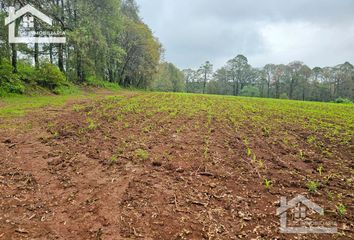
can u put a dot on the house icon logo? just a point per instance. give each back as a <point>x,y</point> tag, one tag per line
<point>28,22</point>
<point>299,207</point>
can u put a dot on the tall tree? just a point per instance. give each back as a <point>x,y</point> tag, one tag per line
<point>269,70</point>
<point>206,72</point>
<point>240,72</point>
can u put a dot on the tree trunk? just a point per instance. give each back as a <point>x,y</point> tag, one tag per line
<point>36,55</point>
<point>291,90</point>
<point>237,88</point>
<point>51,53</point>
<point>36,47</point>
<point>277,92</point>
<point>204,84</point>
<point>14,57</point>
<point>61,57</point>
<point>79,66</point>
<point>268,86</point>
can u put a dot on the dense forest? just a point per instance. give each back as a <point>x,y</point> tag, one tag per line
<point>107,42</point>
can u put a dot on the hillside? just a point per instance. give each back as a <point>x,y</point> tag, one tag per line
<point>136,165</point>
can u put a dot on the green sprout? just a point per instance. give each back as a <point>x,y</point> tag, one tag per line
<point>113,160</point>
<point>142,154</point>
<point>249,152</point>
<point>320,169</point>
<point>91,123</point>
<point>268,183</point>
<point>312,186</point>
<point>341,209</point>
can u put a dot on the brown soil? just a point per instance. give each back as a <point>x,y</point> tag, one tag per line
<point>58,183</point>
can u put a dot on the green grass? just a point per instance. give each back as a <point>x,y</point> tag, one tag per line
<point>93,82</point>
<point>17,106</point>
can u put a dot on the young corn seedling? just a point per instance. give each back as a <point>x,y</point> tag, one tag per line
<point>330,195</point>
<point>320,170</point>
<point>113,160</point>
<point>142,154</point>
<point>268,184</point>
<point>249,152</point>
<point>312,186</point>
<point>266,132</point>
<point>302,155</point>
<point>92,124</point>
<point>261,164</point>
<point>341,209</point>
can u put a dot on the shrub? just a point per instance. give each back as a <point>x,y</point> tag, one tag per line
<point>92,81</point>
<point>9,82</point>
<point>27,73</point>
<point>66,90</point>
<point>250,91</point>
<point>49,76</point>
<point>343,100</point>
<point>284,96</point>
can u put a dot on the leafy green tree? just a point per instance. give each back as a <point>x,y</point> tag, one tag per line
<point>168,79</point>
<point>269,70</point>
<point>240,72</point>
<point>206,73</point>
<point>250,91</point>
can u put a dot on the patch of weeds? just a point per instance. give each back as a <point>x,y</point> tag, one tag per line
<point>113,160</point>
<point>266,132</point>
<point>311,139</point>
<point>147,129</point>
<point>92,124</point>
<point>341,209</point>
<point>142,154</point>
<point>330,196</point>
<point>78,108</point>
<point>312,186</point>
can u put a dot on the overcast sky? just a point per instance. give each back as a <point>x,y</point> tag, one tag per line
<point>317,32</point>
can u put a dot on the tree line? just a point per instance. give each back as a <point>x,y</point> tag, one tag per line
<point>293,81</point>
<point>106,41</point>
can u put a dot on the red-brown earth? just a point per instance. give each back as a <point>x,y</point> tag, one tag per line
<point>148,176</point>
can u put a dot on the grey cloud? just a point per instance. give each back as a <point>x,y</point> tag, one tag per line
<point>193,31</point>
